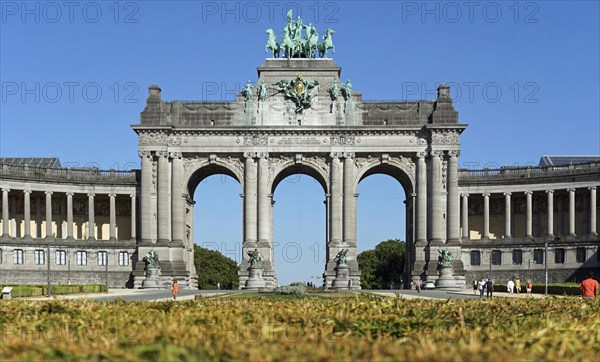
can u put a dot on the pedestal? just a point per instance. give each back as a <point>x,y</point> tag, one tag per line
<point>446,279</point>
<point>152,279</point>
<point>342,276</point>
<point>255,279</point>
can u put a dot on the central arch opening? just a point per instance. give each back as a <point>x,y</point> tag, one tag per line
<point>216,221</point>
<point>299,226</point>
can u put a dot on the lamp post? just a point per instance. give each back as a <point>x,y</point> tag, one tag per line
<point>546,266</point>
<point>106,270</point>
<point>48,262</point>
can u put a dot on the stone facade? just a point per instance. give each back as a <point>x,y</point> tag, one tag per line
<point>261,138</point>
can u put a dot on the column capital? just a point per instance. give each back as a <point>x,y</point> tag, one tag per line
<point>348,155</point>
<point>485,194</point>
<point>91,194</point>
<point>69,193</point>
<point>422,154</point>
<point>175,155</point>
<point>436,154</point>
<point>592,188</point>
<point>26,191</point>
<point>549,191</point>
<point>528,192</point>
<point>48,192</point>
<point>250,155</point>
<point>145,154</point>
<point>464,195</point>
<point>571,190</point>
<point>162,154</point>
<point>336,155</point>
<point>507,193</point>
<point>262,155</point>
<point>453,153</point>
<point>5,189</point>
<point>112,194</point>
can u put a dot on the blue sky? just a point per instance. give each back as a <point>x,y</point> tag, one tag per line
<point>524,75</point>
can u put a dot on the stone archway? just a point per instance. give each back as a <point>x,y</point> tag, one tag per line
<point>260,140</point>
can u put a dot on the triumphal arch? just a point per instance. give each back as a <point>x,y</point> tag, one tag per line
<point>300,117</point>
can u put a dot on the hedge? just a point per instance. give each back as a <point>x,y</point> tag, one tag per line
<point>554,288</point>
<point>20,291</point>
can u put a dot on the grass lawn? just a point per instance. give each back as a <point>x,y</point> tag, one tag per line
<point>266,327</point>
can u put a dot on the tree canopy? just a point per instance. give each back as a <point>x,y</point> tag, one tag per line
<point>213,267</point>
<point>383,266</point>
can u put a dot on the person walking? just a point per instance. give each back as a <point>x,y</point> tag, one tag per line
<point>518,285</point>
<point>475,287</point>
<point>481,287</point>
<point>589,287</point>
<point>175,289</point>
<point>529,287</point>
<point>489,287</point>
<point>510,286</point>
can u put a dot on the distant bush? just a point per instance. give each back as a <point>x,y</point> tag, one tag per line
<point>20,291</point>
<point>297,288</point>
<point>553,288</point>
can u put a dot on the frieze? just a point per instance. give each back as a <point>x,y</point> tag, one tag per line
<point>445,138</point>
<point>344,140</point>
<point>153,137</point>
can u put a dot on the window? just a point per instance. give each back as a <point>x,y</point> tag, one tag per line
<point>123,258</point>
<point>496,257</point>
<point>39,257</point>
<point>559,256</point>
<point>102,258</point>
<point>18,256</point>
<point>61,257</point>
<point>581,257</point>
<point>475,257</point>
<point>517,256</point>
<point>81,258</point>
<point>538,256</point>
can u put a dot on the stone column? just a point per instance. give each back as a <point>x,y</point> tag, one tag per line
<point>336,199</point>
<point>133,216</point>
<point>91,221</point>
<point>145,197</point>
<point>177,204</point>
<point>465,216</point>
<point>5,230</point>
<point>264,204</point>
<point>27,213</point>
<point>38,217</point>
<point>250,208</point>
<point>163,197</point>
<point>486,215</point>
<point>436,198</point>
<point>529,217</point>
<point>112,217</point>
<point>349,212</point>
<point>507,214</point>
<point>69,215</point>
<point>453,202</point>
<point>571,212</point>
<point>421,221</point>
<point>593,221</point>
<point>550,212</point>
<point>48,214</point>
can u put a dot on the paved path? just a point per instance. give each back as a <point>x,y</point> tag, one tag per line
<point>186,294</point>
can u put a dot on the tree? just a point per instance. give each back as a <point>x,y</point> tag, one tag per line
<point>383,265</point>
<point>213,267</point>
